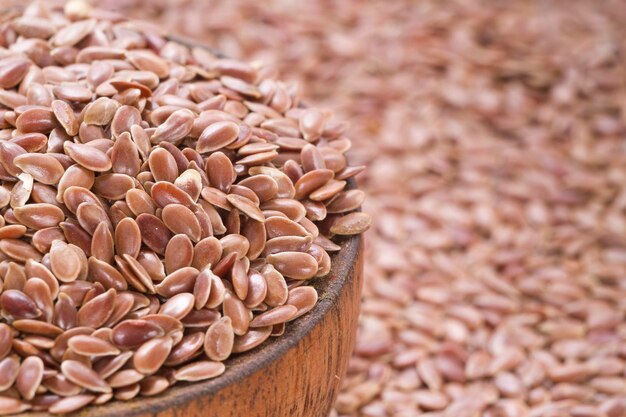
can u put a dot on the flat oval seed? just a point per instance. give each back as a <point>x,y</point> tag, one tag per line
<point>178,306</point>
<point>39,216</point>
<point>130,334</point>
<point>98,310</point>
<point>304,298</point>
<point>153,232</point>
<point>18,305</point>
<point>178,253</point>
<point>43,168</point>
<point>219,339</point>
<point>163,165</point>
<point>83,376</point>
<point>29,377</point>
<point>199,371</point>
<point>246,206</point>
<point>70,404</point>
<point>177,126</point>
<point>277,315</point>
<point>151,355</point>
<point>127,237</point>
<point>64,262</point>
<point>92,346</point>
<point>220,171</point>
<point>351,224</point>
<point>87,156</point>
<point>217,135</point>
<point>181,220</point>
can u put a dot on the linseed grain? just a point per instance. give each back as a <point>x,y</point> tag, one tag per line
<point>136,193</point>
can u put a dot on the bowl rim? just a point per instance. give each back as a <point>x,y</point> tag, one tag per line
<point>247,363</point>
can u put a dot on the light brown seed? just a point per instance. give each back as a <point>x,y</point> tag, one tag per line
<point>199,371</point>
<point>152,354</point>
<point>70,404</point>
<point>217,136</point>
<point>163,165</point>
<point>351,224</point>
<point>178,306</point>
<point>277,315</point>
<point>97,311</point>
<point>29,377</point>
<point>177,126</point>
<point>91,346</point>
<point>127,237</point>
<point>87,156</point>
<point>295,265</point>
<point>43,168</point>
<point>181,220</point>
<point>83,376</point>
<point>101,111</point>
<point>220,171</point>
<point>178,253</point>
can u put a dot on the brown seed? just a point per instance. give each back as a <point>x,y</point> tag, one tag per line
<point>277,315</point>
<point>91,346</point>
<point>102,246</point>
<point>83,376</point>
<point>251,339</point>
<point>113,186</point>
<point>127,237</point>
<point>39,216</point>
<point>153,232</point>
<point>199,371</point>
<point>164,193</point>
<point>124,378</point>
<point>219,339</point>
<point>70,404</point>
<point>295,265</point>
<point>148,61</point>
<point>217,136</point>
<point>98,310</point>
<point>220,171</point>
<point>163,165</point>
<point>36,120</point>
<point>181,220</point>
<point>238,313</point>
<point>132,333</point>
<point>100,112</point>
<point>304,298</point>
<point>73,33</point>
<point>12,71</point>
<point>178,306</point>
<point>178,253</point>
<point>72,92</point>
<point>43,168</point>
<point>64,262</point>
<point>152,354</point>
<point>246,206</point>
<point>351,224</point>
<point>87,156</point>
<point>123,119</point>
<point>10,405</point>
<point>29,377</point>
<point>312,181</point>
<point>177,282</point>
<point>177,126</point>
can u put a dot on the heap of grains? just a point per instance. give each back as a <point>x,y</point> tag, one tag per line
<point>161,208</point>
<point>494,133</point>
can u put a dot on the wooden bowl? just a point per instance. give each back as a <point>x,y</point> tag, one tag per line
<point>295,375</point>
